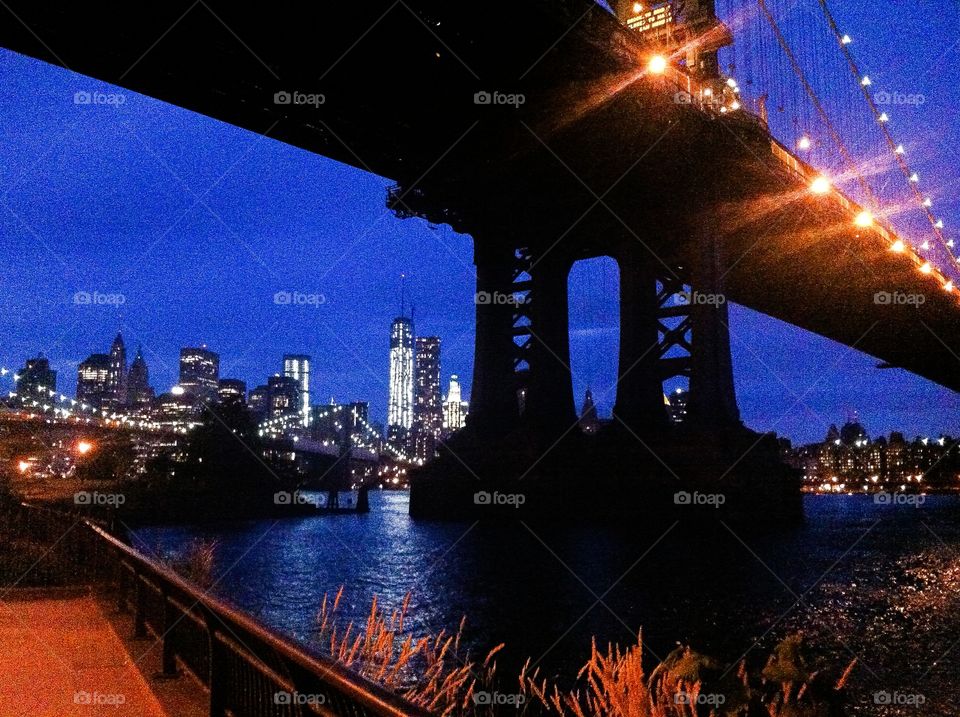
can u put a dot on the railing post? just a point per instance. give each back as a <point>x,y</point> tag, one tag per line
<point>218,672</point>
<point>121,585</point>
<point>169,660</point>
<point>140,609</point>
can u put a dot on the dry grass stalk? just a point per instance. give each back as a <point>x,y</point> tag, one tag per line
<point>431,672</point>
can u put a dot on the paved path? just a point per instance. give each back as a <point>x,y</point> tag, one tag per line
<point>61,655</point>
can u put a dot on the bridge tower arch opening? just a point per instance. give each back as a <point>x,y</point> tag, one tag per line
<point>593,296</point>
<point>675,329</point>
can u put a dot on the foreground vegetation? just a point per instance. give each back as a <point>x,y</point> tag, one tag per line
<point>434,673</point>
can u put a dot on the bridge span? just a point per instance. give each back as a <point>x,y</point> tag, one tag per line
<point>598,153</point>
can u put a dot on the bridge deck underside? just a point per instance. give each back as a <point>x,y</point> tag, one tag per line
<point>597,160</point>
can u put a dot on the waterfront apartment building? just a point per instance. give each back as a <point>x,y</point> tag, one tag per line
<point>848,460</point>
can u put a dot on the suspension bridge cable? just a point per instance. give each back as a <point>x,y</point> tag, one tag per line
<point>898,152</point>
<point>818,105</point>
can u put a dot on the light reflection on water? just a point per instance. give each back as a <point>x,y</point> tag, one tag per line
<point>878,582</point>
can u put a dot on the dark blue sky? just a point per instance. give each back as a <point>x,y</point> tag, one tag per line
<point>198,224</point>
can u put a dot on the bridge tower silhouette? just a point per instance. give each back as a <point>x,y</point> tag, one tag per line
<point>522,405</point>
<point>522,358</point>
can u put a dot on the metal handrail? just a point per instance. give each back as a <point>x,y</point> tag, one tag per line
<point>242,663</point>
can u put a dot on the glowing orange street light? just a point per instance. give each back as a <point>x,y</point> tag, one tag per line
<point>84,447</point>
<point>820,185</point>
<point>864,219</point>
<point>24,466</point>
<point>898,246</point>
<point>657,65</point>
<point>637,8</point>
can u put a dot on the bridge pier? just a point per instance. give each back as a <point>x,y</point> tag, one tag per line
<point>713,401</point>
<point>639,403</point>
<point>493,397</point>
<point>549,407</point>
<point>531,446</point>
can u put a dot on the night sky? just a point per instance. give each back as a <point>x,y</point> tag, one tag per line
<point>197,224</point>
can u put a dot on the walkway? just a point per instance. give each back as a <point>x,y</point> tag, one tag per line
<point>61,654</point>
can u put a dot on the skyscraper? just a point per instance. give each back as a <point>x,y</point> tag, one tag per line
<point>199,372</point>
<point>454,408</point>
<point>297,367</point>
<point>36,379</point>
<point>232,391</point>
<point>117,379</point>
<point>139,392</point>
<point>427,401</point>
<point>93,381</point>
<point>283,395</point>
<point>259,402</point>
<point>400,405</point>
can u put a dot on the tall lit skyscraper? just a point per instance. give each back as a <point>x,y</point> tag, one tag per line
<point>199,372</point>
<point>117,380</point>
<point>297,367</point>
<point>454,408</point>
<point>427,401</point>
<point>400,405</point>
